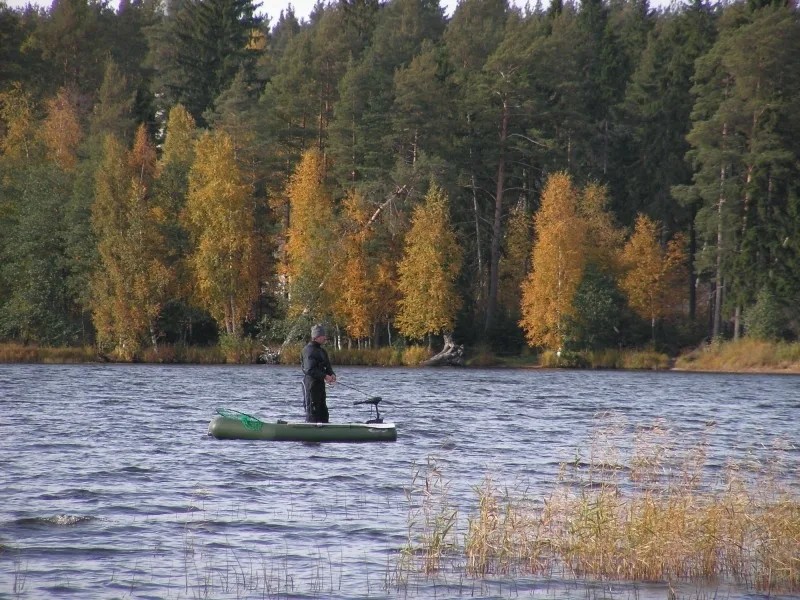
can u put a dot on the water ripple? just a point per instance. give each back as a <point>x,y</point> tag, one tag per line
<point>110,484</point>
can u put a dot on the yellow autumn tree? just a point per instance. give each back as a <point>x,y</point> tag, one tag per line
<point>309,237</point>
<point>108,282</point>
<point>515,261</point>
<point>654,277</point>
<point>132,282</point>
<point>355,297</point>
<point>558,258</point>
<point>151,280</point>
<point>61,130</point>
<point>604,239</point>
<point>219,216</point>
<point>432,258</point>
<point>179,141</point>
<point>17,116</point>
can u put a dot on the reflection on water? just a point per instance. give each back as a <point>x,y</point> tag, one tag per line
<point>110,486</point>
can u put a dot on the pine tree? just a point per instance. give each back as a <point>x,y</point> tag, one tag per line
<point>199,49</point>
<point>427,273</point>
<point>742,92</point>
<point>558,257</point>
<point>219,216</point>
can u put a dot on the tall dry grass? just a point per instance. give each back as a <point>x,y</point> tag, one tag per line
<point>642,506</point>
<point>386,356</point>
<point>608,358</point>
<point>743,355</point>
<point>19,353</point>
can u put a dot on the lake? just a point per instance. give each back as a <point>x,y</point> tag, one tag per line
<point>111,488</point>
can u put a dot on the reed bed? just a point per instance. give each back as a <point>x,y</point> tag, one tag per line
<point>608,358</point>
<point>20,353</point>
<point>637,507</point>
<point>743,355</point>
<point>387,356</point>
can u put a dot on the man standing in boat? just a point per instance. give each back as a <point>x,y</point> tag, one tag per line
<point>317,372</point>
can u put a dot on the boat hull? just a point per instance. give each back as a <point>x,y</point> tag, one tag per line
<point>225,428</point>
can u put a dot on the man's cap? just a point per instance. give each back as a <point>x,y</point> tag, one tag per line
<point>317,331</point>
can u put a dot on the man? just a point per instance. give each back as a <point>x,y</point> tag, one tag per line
<point>317,371</point>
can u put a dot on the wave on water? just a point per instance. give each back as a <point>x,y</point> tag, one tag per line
<point>54,520</point>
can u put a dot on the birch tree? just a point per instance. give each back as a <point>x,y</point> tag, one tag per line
<point>428,270</point>
<point>219,216</point>
<point>654,279</point>
<point>558,257</point>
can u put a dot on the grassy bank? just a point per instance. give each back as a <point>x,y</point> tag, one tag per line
<point>653,512</point>
<point>742,356</point>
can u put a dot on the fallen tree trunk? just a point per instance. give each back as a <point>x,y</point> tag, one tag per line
<point>452,355</point>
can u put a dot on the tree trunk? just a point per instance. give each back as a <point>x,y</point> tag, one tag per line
<point>452,355</point>
<point>497,225</point>
<point>718,280</point>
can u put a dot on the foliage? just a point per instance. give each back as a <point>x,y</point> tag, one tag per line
<point>653,276</point>
<point>61,130</point>
<point>764,320</point>
<point>309,237</point>
<point>132,283</point>
<point>219,216</point>
<point>427,273</point>
<point>685,115</point>
<point>558,259</point>
<point>599,313</point>
<point>515,261</point>
<point>366,286</point>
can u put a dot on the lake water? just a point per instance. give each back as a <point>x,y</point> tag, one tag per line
<point>111,488</point>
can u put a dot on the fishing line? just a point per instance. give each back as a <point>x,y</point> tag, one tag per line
<point>354,388</point>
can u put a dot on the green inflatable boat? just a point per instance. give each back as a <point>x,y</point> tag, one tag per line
<point>234,425</point>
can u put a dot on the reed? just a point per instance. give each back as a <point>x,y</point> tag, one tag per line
<point>743,355</point>
<point>645,360</point>
<point>641,506</point>
<point>19,353</point>
<point>431,524</point>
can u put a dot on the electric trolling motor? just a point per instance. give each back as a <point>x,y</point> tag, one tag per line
<point>374,401</point>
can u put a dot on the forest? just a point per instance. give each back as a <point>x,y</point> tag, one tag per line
<point>570,177</point>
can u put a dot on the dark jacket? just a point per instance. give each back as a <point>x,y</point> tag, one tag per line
<point>316,365</point>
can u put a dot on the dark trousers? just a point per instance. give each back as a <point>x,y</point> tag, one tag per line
<point>315,401</point>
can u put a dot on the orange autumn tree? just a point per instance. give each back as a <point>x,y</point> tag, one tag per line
<point>654,277</point>
<point>132,282</point>
<point>428,270</point>
<point>309,237</point>
<point>558,258</point>
<point>220,220</point>
<point>358,299</point>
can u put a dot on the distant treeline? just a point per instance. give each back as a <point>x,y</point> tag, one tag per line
<point>568,177</point>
